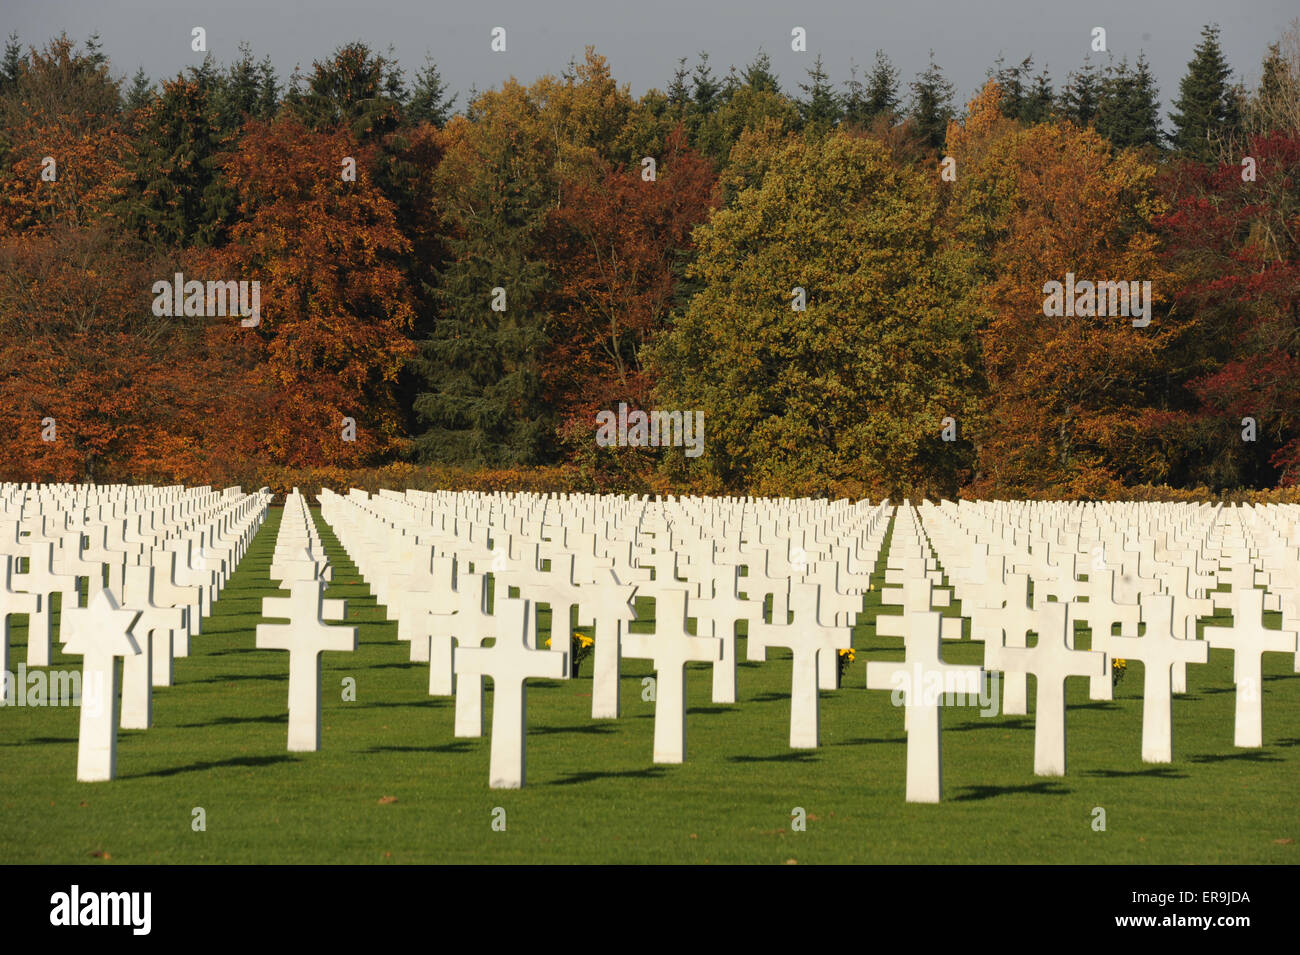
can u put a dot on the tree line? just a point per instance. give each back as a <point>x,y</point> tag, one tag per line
<point>846,279</point>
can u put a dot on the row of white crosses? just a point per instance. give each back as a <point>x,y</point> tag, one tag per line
<point>153,559</point>
<point>427,557</point>
<point>299,564</point>
<point>1148,567</point>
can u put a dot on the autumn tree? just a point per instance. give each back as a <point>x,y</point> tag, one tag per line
<point>1072,405</point>
<point>1232,242</point>
<point>335,309</point>
<point>62,152</point>
<point>611,250</point>
<point>851,391</point>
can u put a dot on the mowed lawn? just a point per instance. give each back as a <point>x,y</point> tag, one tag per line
<point>392,785</point>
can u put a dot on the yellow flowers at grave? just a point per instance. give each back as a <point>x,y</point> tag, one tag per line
<point>1118,667</point>
<point>580,648</point>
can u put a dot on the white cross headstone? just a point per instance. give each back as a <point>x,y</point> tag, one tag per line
<point>1051,661</point>
<point>98,634</point>
<point>670,647</point>
<point>305,636</point>
<point>1249,640</point>
<point>509,662</point>
<point>614,609</point>
<point>14,602</point>
<point>922,679</point>
<point>807,638</point>
<point>41,580</point>
<point>1158,649</point>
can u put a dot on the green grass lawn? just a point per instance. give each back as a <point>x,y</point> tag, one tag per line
<point>392,784</point>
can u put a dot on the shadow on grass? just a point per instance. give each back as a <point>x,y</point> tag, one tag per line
<point>770,697</point>
<point>598,729</point>
<point>41,739</point>
<point>972,793</point>
<point>455,746</point>
<point>1156,772</point>
<point>237,720</point>
<point>236,761</point>
<point>1020,723</point>
<point>650,772</point>
<point>238,677</point>
<point>1248,756</point>
<point>794,756</point>
<point>865,741</point>
<point>711,709</point>
<point>434,701</point>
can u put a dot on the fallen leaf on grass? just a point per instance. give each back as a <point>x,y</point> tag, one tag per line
<point>1283,842</point>
<point>386,800</point>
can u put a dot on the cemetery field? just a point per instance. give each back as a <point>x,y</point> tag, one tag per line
<point>392,785</point>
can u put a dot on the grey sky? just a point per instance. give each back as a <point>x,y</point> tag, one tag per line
<point>644,41</point>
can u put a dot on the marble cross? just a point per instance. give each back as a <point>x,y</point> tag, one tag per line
<point>1051,661</point>
<point>1158,650</point>
<point>1249,640</point>
<point>807,638</point>
<point>614,608</point>
<point>42,580</point>
<point>305,636</point>
<point>153,632</point>
<point>670,647</point>
<point>1101,611</point>
<point>717,616</point>
<point>98,633</point>
<point>921,681</point>
<point>509,662</point>
<point>13,602</point>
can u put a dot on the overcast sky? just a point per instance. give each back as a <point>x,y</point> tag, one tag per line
<point>644,40</point>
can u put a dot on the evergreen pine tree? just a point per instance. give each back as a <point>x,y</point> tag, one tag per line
<point>11,66</point>
<point>820,111</point>
<point>679,95</point>
<point>1206,108</point>
<point>429,102</point>
<point>932,105</point>
<point>359,89</point>
<point>1038,103</point>
<point>176,195</point>
<point>1128,112</point>
<point>705,89</point>
<point>482,401</point>
<point>882,89</point>
<point>1079,97</point>
<point>758,75</point>
<point>140,92</point>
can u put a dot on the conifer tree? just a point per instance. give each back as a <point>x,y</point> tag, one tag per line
<point>1206,108</point>
<point>1079,97</point>
<point>882,97</point>
<point>820,111</point>
<point>932,104</point>
<point>429,102</point>
<point>758,75</point>
<point>140,92</point>
<point>1128,112</point>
